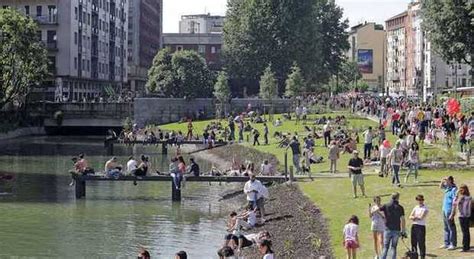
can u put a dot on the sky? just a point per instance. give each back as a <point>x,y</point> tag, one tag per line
<point>355,10</point>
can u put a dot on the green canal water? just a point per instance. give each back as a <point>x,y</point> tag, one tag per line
<point>39,216</point>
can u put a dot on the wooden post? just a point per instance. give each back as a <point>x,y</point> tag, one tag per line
<point>164,149</point>
<point>286,164</point>
<point>80,188</point>
<point>175,193</point>
<point>109,147</point>
<point>291,174</point>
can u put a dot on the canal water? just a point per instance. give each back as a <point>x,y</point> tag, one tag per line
<point>39,216</point>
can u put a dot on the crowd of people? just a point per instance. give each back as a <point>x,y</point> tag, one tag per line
<point>388,223</point>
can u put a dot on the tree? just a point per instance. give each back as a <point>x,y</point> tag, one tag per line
<point>161,78</point>
<point>193,77</point>
<point>280,32</point>
<point>23,58</point>
<point>349,73</point>
<point>450,28</point>
<point>268,87</point>
<point>295,85</point>
<point>180,74</point>
<point>222,91</point>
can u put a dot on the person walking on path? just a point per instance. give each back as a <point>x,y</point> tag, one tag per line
<point>333,156</point>
<point>265,133</point>
<point>355,171</point>
<point>351,237</point>
<point>384,151</point>
<point>396,161</point>
<point>296,150</point>
<point>368,138</point>
<point>327,133</point>
<point>413,162</point>
<point>450,235</point>
<point>377,225</point>
<point>394,225</point>
<point>418,228</point>
<point>463,204</point>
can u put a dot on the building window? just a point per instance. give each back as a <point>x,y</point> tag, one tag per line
<point>27,9</point>
<point>75,13</point>
<point>202,49</point>
<point>213,50</point>
<point>39,10</point>
<point>75,63</point>
<point>89,19</point>
<point>75,38</point>
<point>88,65</point>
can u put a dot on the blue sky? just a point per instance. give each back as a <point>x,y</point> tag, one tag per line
<point>355,10</point>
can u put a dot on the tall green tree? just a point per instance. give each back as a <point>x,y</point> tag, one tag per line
<point>23,58</point>
<point>180,74</point>
<point>295,85</point>
<point>193,77</point>
<point>449,25</point>
<point>349,73</point>
<point>280,32</point>
<point>161,78</point>
<point>268,87</point>
<point>222,91</point>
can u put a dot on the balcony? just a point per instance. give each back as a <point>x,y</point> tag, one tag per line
<point>46,19</point>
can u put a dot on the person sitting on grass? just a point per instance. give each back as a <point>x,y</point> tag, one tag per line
<point>351,237</point>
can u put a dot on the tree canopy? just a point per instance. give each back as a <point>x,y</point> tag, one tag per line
<point>23,58</point>
<point>295,84</point>
<point>450,28</point>
<point>280,32</point>
<point>180,74</point>
<point>349,72</point>
<point>221,88</point>
<point>268,84</point>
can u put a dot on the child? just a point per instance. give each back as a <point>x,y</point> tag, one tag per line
<point>351,237</point>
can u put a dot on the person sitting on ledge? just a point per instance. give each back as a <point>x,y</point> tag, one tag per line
<point>112,168</point>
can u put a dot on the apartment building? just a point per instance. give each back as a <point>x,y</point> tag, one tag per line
<point>86,41</point>
<point>145,31</point>
<point>413,68</point>
<point>201,23</point>
<point>209,45</point>
<point>367,48</point>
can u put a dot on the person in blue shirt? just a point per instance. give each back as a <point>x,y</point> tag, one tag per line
<point>450,189</point>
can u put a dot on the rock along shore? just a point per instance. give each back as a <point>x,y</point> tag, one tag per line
<point>297,226</point>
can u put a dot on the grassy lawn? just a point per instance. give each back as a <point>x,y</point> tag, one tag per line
<point>287,127</point>
<point>334,197</point>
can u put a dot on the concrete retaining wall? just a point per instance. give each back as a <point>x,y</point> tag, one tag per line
<point>22,132</point>
<point>165,110</point>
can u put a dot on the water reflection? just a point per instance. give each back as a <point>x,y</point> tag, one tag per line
<point>41,218</point>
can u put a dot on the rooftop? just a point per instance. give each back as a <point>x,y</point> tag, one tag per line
<point>192,38</point>
<point>405,13</point>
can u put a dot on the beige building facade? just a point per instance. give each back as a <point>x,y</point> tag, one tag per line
<point>367,48</point>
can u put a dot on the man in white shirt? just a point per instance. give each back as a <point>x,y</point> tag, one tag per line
<point>368,137</point>
<point>131,165</point>
<point>254,190</point>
